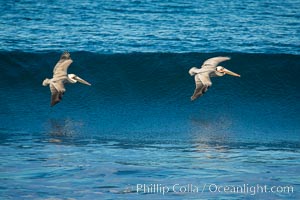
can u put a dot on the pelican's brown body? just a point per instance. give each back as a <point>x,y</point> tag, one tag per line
<point>60,77</point>
<point>208,69</point>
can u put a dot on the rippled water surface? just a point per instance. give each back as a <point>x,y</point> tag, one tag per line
<point>151,26</point>
<point>136,124</point>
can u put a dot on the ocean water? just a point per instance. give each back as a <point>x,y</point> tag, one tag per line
<point>119,26</point>
<point>135,134</point>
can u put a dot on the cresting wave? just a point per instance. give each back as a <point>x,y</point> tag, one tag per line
<point>155,75</point>
<point>151,92</point>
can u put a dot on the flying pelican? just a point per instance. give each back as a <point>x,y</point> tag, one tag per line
<point>209,69</point>
<point>60,77</point>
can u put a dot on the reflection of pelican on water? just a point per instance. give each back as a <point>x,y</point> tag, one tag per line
<point>63,129</point>
<point>211,135</point>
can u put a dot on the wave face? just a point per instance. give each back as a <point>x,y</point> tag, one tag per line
<point>145,94</point>
<point>265,26</point>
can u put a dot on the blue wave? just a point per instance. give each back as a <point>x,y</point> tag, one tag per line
<point>160,73</point>
<point>151,92</point>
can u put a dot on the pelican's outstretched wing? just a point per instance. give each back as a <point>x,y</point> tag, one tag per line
<point>62,65</point>
<point>57,92</point>
<point>214,62</point>
<point>199,90</point>
<point>56,96</point>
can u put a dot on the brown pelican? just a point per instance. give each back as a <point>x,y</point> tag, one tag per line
<point>209,69</point>
<point>60,77</point>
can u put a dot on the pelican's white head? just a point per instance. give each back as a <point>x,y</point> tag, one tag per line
<point>221,71</point>
<point>73,79</point>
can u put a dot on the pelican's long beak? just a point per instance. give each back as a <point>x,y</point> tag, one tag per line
<point>82,81</point>
<point>226,71</point>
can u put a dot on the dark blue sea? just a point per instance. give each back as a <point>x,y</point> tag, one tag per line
<point>135,134</point>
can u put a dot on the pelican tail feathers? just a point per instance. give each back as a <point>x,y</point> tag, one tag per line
<point>193,71</point>
<point>46,82</point>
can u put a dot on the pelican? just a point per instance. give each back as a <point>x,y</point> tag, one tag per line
<point>60,77</point>
<point>209,69</point>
